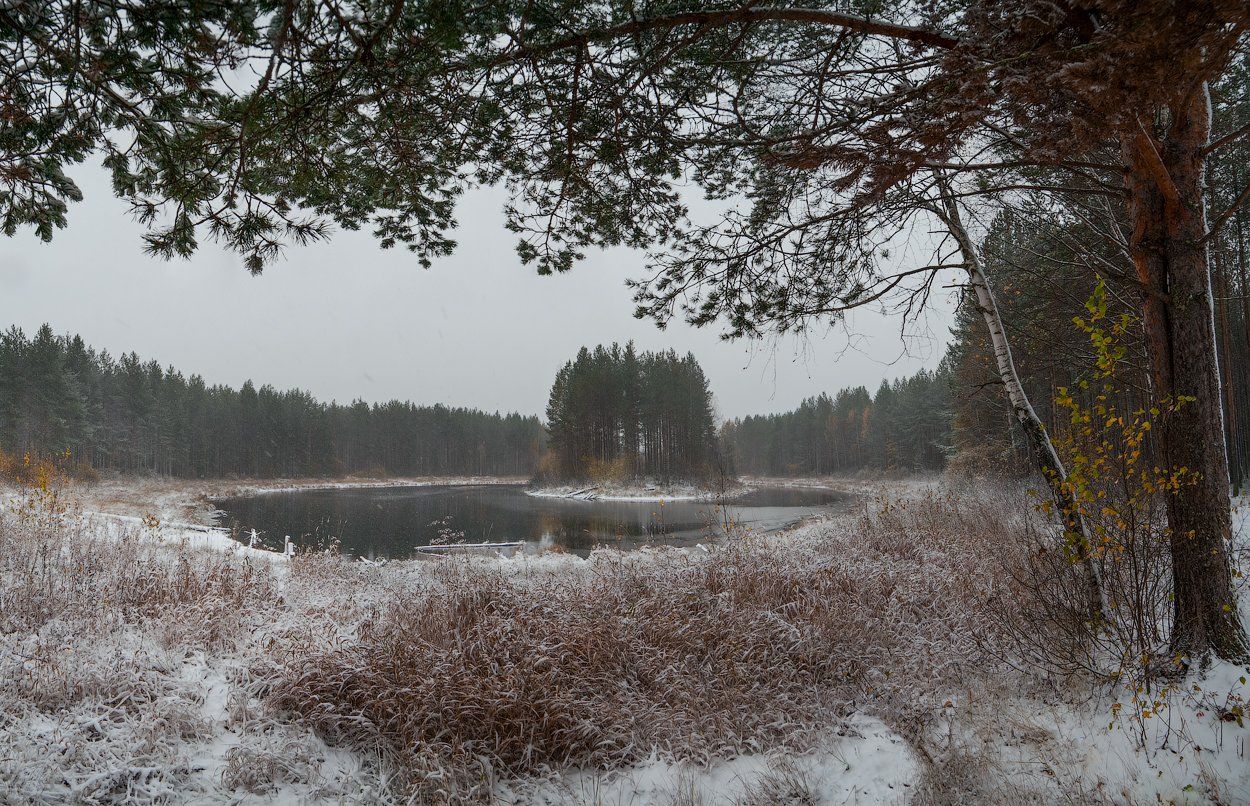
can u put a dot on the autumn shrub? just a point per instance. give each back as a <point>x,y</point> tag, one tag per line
<point>986,460</point>
<point>1120,489</point>
<point>34,469</point>
<point>25,469</point>
<point>549,467</point>
<point>1121,495</point>
<point>608,471</point>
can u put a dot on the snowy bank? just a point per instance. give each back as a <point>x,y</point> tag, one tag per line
<point>848,661</point>
<point>640,492</point>
<point>190,535</point>
<point>190,500</point>
<point>864,762</point>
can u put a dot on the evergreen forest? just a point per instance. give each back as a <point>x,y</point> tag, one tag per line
<point>904,428</point>
<point>615,413</point>
<point>60,398</point>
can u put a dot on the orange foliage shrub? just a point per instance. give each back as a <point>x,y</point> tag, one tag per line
<point>38,470</point>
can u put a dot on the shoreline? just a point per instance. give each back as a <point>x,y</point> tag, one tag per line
<point>192,501</point>
<point>264,487</point>
<point>189,508</point>
<point>856,486</point>
<point>640,493</point>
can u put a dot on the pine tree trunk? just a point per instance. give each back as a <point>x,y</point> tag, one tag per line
<point>1047,458</point>
<point>1164,178</point>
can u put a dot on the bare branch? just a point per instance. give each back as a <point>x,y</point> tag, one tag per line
<point>1228,213</point>
<point>1220,142</point>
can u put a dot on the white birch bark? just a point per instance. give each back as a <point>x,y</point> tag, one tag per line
<point>1049,463</point>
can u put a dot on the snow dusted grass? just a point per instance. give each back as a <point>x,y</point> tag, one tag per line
<point>480,671</point>
<point>97,636</point>
<point>855,660</point>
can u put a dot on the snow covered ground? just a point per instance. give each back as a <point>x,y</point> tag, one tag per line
<point>655,491</point>
<point>189,500</point>
<point>862,762</point>
<point>640,491</point>
<point>148,659</point>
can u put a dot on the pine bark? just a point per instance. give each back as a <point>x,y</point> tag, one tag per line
<point>1165,180</point>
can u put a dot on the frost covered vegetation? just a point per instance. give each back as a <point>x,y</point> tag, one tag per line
<point>1081,155</point>
<point>868,658</point>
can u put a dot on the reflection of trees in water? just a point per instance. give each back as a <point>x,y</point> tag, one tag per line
<point>787,497</point>
<point>626,524</point>
<point>586,530</point>
<point>581,533</point>
<point>657,527</point>
<point>392,525</point>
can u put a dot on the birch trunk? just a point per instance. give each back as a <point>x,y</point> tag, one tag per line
<point>1048,461</point>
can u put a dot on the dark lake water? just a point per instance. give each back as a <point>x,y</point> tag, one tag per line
<point>393,521</point>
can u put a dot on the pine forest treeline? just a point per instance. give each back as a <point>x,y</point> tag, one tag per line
<point>1037,257</point>
<point>616,413</point>
<point>904,428</point>
<point>60,398</point>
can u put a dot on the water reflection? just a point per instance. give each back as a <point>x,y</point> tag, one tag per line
<point>392,522</point>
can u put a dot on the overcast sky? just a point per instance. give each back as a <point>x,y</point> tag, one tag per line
<point>345,319</point>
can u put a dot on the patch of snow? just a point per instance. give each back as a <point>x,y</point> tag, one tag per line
<point>1188,750</point>
<point>191,535</point>
<point>640,491</point>
<point>863,763</point>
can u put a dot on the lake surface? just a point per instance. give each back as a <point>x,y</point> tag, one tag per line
<point>392,521</point>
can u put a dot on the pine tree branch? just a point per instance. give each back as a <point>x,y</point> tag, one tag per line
<point>1226,139</point>
<point>720,19</point>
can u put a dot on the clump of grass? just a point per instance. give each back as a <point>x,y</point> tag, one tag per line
<point>263,766</point>
<point>97,636</point>
<point>57,566</point>
<point>479,667</point>
<point>784,783</point>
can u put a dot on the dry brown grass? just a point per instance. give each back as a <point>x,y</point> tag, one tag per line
<point>476,672</point>
<point>444,678</point>
<point>57,567</point>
